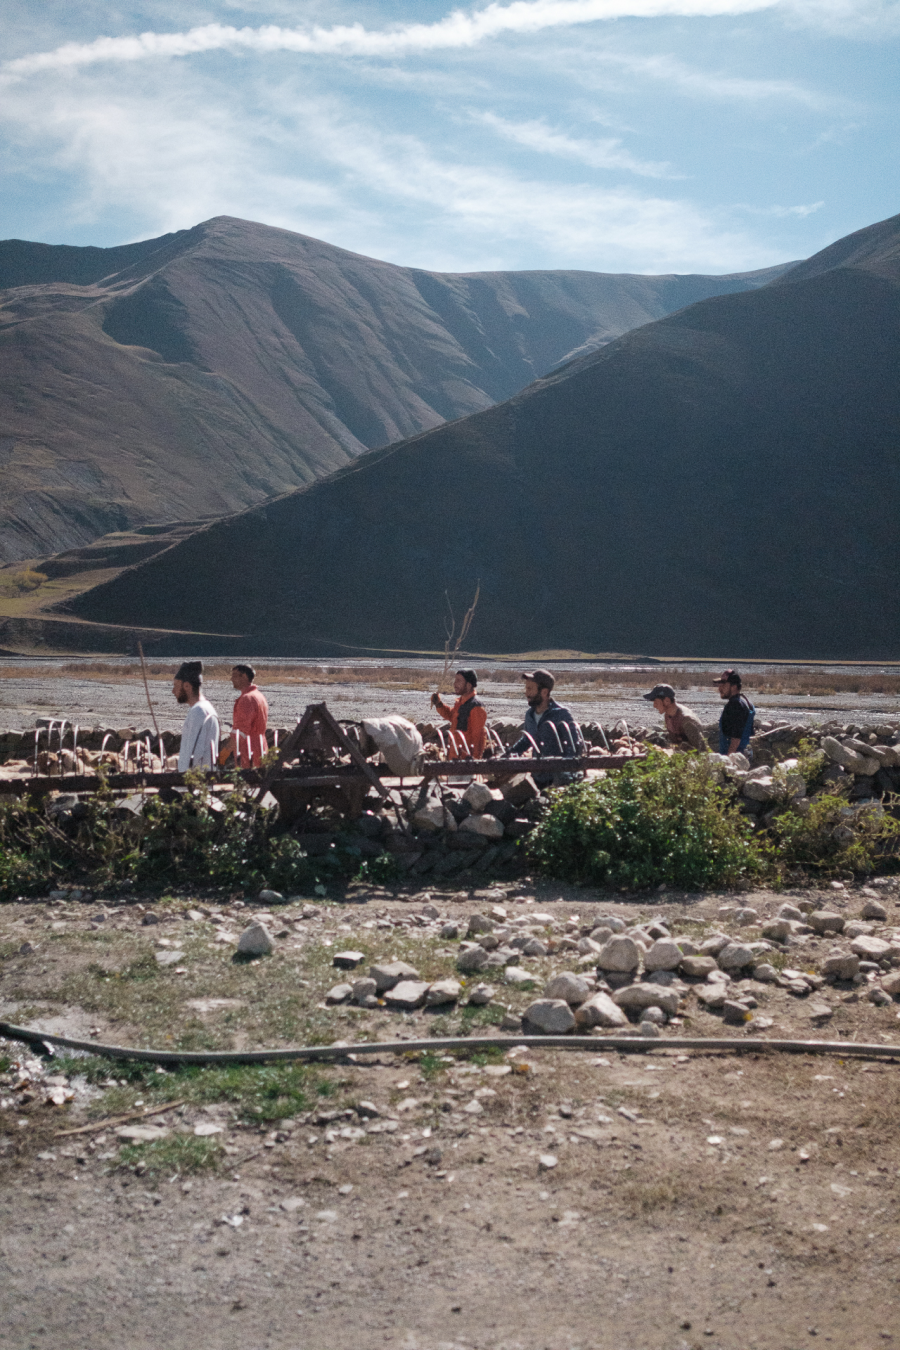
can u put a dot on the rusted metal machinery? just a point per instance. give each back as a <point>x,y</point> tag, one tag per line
<point>317,761</point>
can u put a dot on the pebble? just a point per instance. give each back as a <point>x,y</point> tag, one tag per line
<point>483,993</point>
<point>518,975</point>
<point>547,1161</point>
<point>340,993</point>
<point>168,958</point>
<point>441,992</point>
<point>406,995</point>
<point>388,975</point>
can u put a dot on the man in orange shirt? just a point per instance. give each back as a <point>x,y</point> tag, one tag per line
<point>247,741</point>
<point>467,717</point>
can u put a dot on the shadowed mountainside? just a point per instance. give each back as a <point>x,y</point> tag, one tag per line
<point>196,374</point>
<point>724,480</point>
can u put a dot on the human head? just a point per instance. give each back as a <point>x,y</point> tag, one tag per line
<point>464,682</point>
<point>187,681</point>
<point>662,696</point>
<point>538,685</point>
<point>242,677</point>
<point>729,683</point>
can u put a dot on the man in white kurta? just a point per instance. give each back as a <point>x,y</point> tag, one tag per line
<point>200,733</point>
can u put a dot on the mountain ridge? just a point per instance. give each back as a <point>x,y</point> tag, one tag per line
<point>726,477</point>
<point>213,368</point>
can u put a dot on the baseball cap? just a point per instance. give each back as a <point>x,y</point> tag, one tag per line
<point>542,678</point>
<point>661,691</point>
<point>728,677</point>
<point>469,676</point>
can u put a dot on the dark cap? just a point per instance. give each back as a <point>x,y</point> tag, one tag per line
<point>469,676</point>
<point>661,691</point>
<point>728,677</point>
<point>190,671</point>
<point>542,678</point>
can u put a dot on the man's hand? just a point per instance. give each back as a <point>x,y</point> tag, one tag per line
<point>435,700</point>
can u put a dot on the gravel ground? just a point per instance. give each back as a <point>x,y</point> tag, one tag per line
<point>96,702</point>
<point>597,1201</point>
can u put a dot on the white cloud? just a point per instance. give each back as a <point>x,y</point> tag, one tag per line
<point>597,154</point>
<point>781,212</point>
<point>170,157</point>
<point>456,30</point>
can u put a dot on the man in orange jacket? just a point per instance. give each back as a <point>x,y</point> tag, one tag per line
<point>467,717</point>
<point>247,741</point>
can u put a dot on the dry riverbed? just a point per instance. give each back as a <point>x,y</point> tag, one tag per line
<point>508,1200</point>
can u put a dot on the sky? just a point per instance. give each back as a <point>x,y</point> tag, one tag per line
<point>645,136</point>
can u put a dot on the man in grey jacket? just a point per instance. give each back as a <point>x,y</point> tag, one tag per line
<point>550,728</point>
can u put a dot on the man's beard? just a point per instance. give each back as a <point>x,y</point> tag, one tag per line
<point>181,697</point>
<point>536,702</point>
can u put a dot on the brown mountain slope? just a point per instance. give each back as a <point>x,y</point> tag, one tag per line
<point>723,480</point>
<point>202,372</point>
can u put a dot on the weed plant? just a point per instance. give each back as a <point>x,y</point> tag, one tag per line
<point>197,838</point>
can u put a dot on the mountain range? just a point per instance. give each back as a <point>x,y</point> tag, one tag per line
<point>189,376</point>
<point>724,480</point>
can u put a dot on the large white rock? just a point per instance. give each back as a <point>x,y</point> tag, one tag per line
<point>736,956</point>
<point>863,764</point>
<point>442,991</point>
<point>255,941</point>
<point>390,974</point>
<point>600,1011</point>
<point>870,948</point>
<point>553,1016</point>
<point>471,959</point>
<point>489,827</point>
<point>434,816</point>
<point>841,966</point>
<point>567,986</point>
<point>478,796</point>
<point>620,954</point>
<point>697,967</point>
<point>665,954</point>
<point>407,994</point>
<point>636,997</point>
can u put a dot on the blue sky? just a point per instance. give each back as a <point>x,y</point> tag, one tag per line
<point>613,135</point>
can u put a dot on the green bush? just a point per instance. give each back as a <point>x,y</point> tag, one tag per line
<point>196,839</point>
<point>656,820</point>
<point>831,837</point>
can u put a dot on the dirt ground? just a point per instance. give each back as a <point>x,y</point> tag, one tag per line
<point>523,1200</point>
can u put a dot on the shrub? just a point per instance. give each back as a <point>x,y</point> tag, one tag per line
<point>656,820</point>
<point>832,836</point>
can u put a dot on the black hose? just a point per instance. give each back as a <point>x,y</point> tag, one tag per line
<point>733,1044</point>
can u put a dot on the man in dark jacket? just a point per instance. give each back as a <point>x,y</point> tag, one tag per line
<point>736,722</point>
<point>550,728</point>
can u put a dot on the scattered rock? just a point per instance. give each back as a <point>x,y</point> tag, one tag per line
<point>550,1016</point>
<point>874,909</point>
<point>891,984</point>
<point>620,954</point>
<point>665,954</point>
<point>271,898</point>
<point>170,958</point>
<point>347,960</point>
<point>479,923</point>
<point>654,1015</point>
<point>825,921</point>
<point>600,1011</point>
<point>841,966</point>
<point>636,997</point>
<point>765,973</point>
<point>870,948</point>
<point>340,993</point>
<point>408,994</point>
<point>441,992</point>
<point>547,1161</point>
<point>389,975</point>
<point>365,992</point>
<point>255,941</point>
<point>534,947</point>
<point>735,957</point>
<point>734,1011</point>
<point>777,930</point>
<point>471,959</point>
<point>572,988</point>
<point>482,994</point>
<point>518,975</point>
<point>697,967</point>
<point>819,1012</point>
